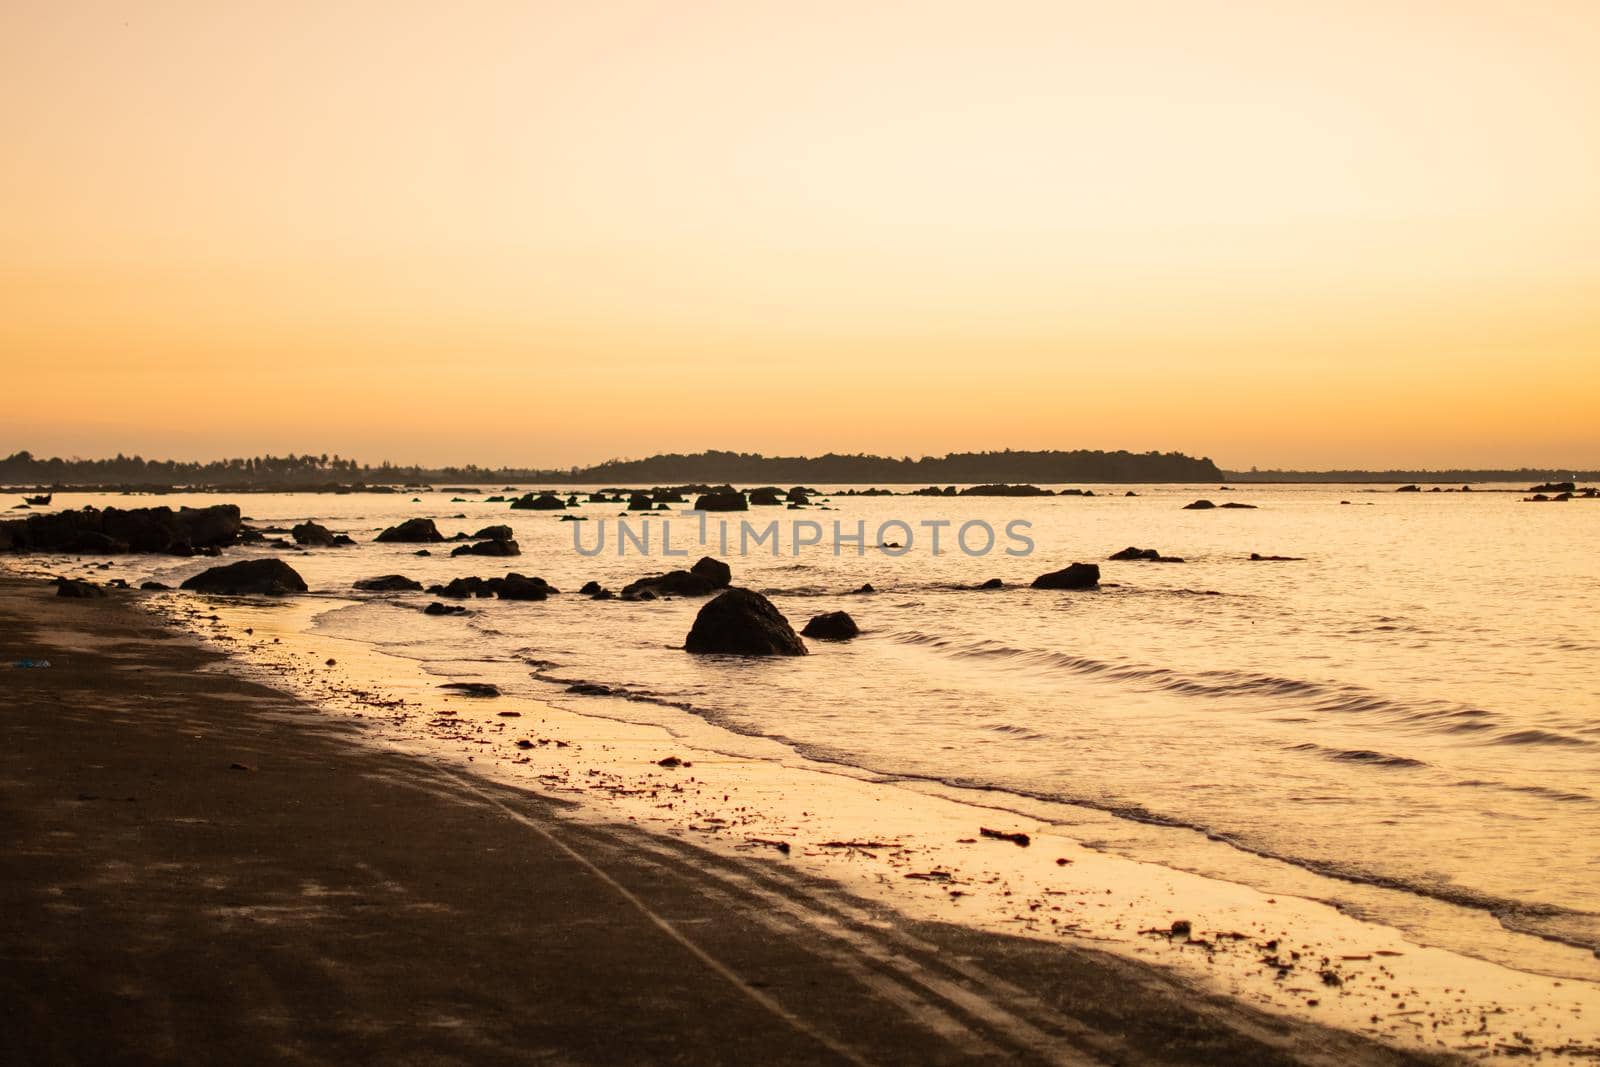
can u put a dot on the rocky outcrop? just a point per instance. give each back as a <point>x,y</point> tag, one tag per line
<point>1007,490</point>
<point>498,532</point>
<point>640,502</point>
<point>1199,505</point>
<point>721,502</point>
<point>1075,576</point>
<point>703,579</point>
<point>390,583</point>
<point>539,502</point>
<point>437,608</point>
<point>412,532</point>
<point>512,587</point>
<point>1239,507</point>
<point>831,626</point>
<point>766,496</point>
<point>1256,557</point>
<point>313,534</point>
<point>1146,554</point>
<point>742,622</point>
<point>108,531</point>
<point>251,576</point>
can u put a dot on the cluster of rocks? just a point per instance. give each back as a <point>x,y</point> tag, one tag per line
<point>704,578</point>
<point>512,587</point>
<point>113,531</point>
<point>1205,505</point>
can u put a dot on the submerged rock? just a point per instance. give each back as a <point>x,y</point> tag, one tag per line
<point>390,583</point>
<point>742,622</point>
<point>473,689</point>
<point>992,583</point>
<point>831,626</point>
<point>1256,557</point>
<point>1199,505</point>
<point>249,576</point>
<point>1075,576</point>
<point>1146,554</point>
<point>489,548</point>
<point>437,608</point>
<point>413,531</point>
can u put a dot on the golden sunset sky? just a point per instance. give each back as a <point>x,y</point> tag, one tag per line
<point>1299,234</point>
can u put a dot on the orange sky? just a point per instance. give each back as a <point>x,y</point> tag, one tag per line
<point>1321,235</point>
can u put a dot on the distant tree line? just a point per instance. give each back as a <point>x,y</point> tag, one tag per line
<point>315,471</point>
<point>1444,477</point>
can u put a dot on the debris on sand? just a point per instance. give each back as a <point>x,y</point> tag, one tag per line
<point>1000,835</point>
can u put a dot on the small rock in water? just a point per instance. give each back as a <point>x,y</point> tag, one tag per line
<point>471,689</point>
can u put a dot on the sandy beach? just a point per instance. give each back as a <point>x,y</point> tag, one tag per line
<point>205,868</point>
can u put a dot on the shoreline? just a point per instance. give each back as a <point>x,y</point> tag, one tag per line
<point>174,932</point>
<point>1325,967</point>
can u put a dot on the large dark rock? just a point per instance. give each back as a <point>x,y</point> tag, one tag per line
<point>313,534</point>
<point>721,502</point>
<point>1199,505</point>
<point>714,570</point>
<point>742,622</point>
<point>831,626</point>
<point>1075,576</point>
<point>766,496</point>
<point>413,532</point>
<point>390,583</point>
<point>541,502</point>
<point>489,548</point>
<point>641,502</point>
<point>73,588</point>
<point>518,587</point>
<point>498,532</point>
<point>114,530</point>
<point>272,576</point>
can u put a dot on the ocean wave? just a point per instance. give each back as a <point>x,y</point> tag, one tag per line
<point>1323,697</point>
<point>1551,922</point>
<point>1357,755</point>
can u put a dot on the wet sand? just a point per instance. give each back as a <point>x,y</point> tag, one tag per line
<point>197,867</point>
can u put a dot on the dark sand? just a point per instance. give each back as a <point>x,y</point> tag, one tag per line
<point>199,869</point>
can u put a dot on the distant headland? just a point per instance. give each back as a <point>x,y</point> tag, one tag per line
<point>711,467</point>
<point>322,472</point>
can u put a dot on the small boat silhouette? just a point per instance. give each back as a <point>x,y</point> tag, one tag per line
<point>43,498</point>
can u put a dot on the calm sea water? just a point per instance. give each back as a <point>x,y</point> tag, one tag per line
<point>1405,722</point>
